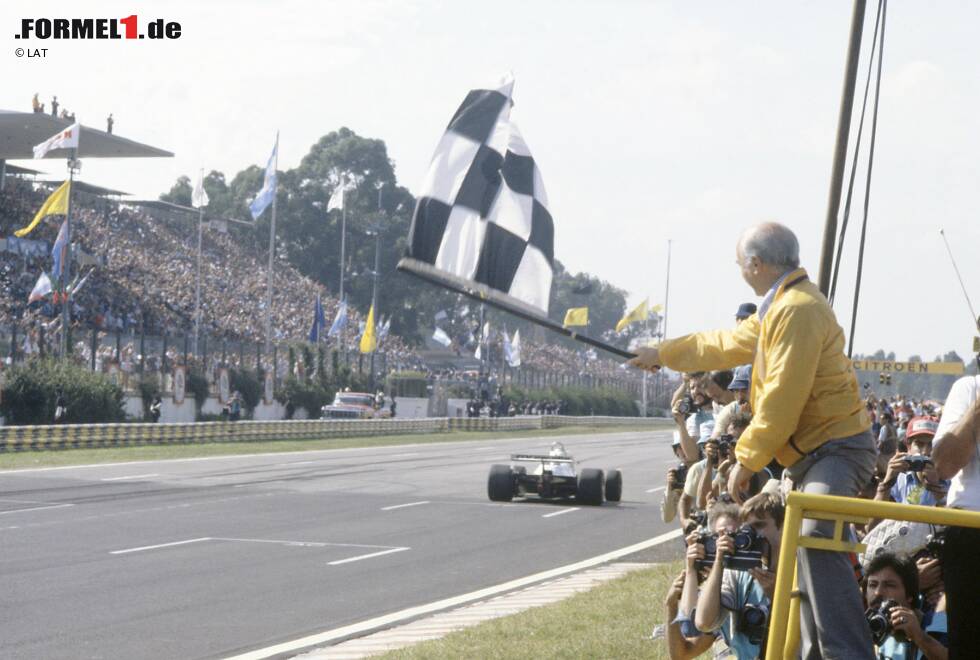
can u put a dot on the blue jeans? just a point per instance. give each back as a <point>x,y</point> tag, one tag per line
<point>832,624</point>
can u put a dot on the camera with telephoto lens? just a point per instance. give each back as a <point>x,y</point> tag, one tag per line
<point>686,406</point>
<point>753,622</point>
<point>680,476</point>
<point>880,621</point>
<point>749,548</point>
<point>916,463</point>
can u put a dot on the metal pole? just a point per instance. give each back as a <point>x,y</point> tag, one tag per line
<point>343,267</point>
<point>66,265</point>
<point>374,293</point>
<point>197,292</point>
<point>272,249</point>
<point>840,150</point>
<point>663,325</point>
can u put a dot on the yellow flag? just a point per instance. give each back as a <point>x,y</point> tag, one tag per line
<point>576,316</point>
<point>369,343</point>
<point>657,308</point>
<point>55,204</point>
<point>639,313</point>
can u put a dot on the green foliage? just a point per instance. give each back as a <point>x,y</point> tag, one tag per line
<point>197,385</point>
<point>149,390</point>
<point>581,401</point>
<point>31,389</point>
<point>311,396</point>
<point>246,382</point>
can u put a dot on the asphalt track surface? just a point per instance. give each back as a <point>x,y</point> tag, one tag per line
<point>201,558</point>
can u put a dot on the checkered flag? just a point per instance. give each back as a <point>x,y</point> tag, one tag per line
<point>483,215</point>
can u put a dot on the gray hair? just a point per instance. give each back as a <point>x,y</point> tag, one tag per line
<point>772,243</point>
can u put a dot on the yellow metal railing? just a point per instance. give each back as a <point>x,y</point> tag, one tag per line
<point>784,627</point>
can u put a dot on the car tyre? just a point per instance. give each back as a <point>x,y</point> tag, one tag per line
<point>500,484</point>
<point>590,486</point>
<point>614,486</point>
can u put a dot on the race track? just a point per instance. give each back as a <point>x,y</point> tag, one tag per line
<point>202,558</point>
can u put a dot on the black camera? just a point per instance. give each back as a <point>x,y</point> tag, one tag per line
<point>698,519</point>
<point>686,405</point>
<point>917,463</point>
<point>680,476</point>
<point>726,445</point>
<point>753,622</point>
<point>749,548</point>
<point>880,621</point>
<point>936,543</point>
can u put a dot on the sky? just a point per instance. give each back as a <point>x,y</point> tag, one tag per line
<point>650,121</point>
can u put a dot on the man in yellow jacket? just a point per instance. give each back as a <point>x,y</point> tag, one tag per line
<point>807,414</point>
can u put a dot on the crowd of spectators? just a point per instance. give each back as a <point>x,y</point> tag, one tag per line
<point>146,274</point>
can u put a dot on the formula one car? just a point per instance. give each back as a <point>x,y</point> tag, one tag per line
<point>553,477</point>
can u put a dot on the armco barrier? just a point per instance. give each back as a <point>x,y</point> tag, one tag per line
<point>78,436</point>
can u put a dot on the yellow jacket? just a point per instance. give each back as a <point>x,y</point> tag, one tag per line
<point>804,390</point>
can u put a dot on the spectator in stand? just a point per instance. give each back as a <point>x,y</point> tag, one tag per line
<point>887,443</point>
<point>956,454</point>
<point>807,413</point>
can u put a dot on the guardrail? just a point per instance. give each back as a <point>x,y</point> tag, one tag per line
<point>784,629</point>
<point>81,436</point>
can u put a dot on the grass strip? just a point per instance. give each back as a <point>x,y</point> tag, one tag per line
<point>614,620</point>
<point>57,458</point>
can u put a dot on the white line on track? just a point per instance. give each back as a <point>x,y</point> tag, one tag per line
<point>367,556</point>
<point>446,603</point>
<point>131,476</point>
<point>558,513</point>
<point>486,449</point>
<point>402,506</point>
<point>36,508</point>
<point>406,454</point>
<point>161,545</point>
<point>294,463</point>
<point>657,489</point>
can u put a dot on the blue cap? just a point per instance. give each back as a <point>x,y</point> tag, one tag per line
<point>742,379</point>
<point>745,310</point>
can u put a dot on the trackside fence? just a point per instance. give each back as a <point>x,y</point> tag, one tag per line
<point>79,436</point>
<point>784,627</point>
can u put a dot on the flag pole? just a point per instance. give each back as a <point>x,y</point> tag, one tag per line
<point>663,324</point>
<point>197,288</point>
<point>66,267</point>
<point>343,245</point>
<point>272,249</point>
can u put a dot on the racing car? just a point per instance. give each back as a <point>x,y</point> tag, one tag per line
<point>553,477</point>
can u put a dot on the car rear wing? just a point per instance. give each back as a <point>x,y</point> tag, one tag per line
<point>540,457</point>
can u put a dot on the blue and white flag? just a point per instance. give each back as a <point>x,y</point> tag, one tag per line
<point>268,192</point>
<point>318,321</point>
<point>58,252</point>
<point>340,321</point>
<point>512,349</point>
<point>383,328</point>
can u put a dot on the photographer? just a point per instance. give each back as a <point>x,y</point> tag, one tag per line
<point>680,647</point>
<point>715,485</point>
<point>956,454</point>
<point>676,477</point>
<point>688,499</point>
<point>689,408</point>
<point>911,478</point>
<point>739,389</point>
<point>744,598</point>
<point>899,631</point>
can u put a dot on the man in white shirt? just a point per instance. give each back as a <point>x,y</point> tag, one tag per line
<point>956,455</point>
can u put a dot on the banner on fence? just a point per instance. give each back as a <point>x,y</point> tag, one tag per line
<point>891,366</point>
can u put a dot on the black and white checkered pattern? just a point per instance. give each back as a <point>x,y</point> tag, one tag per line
<point>483,213</point>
